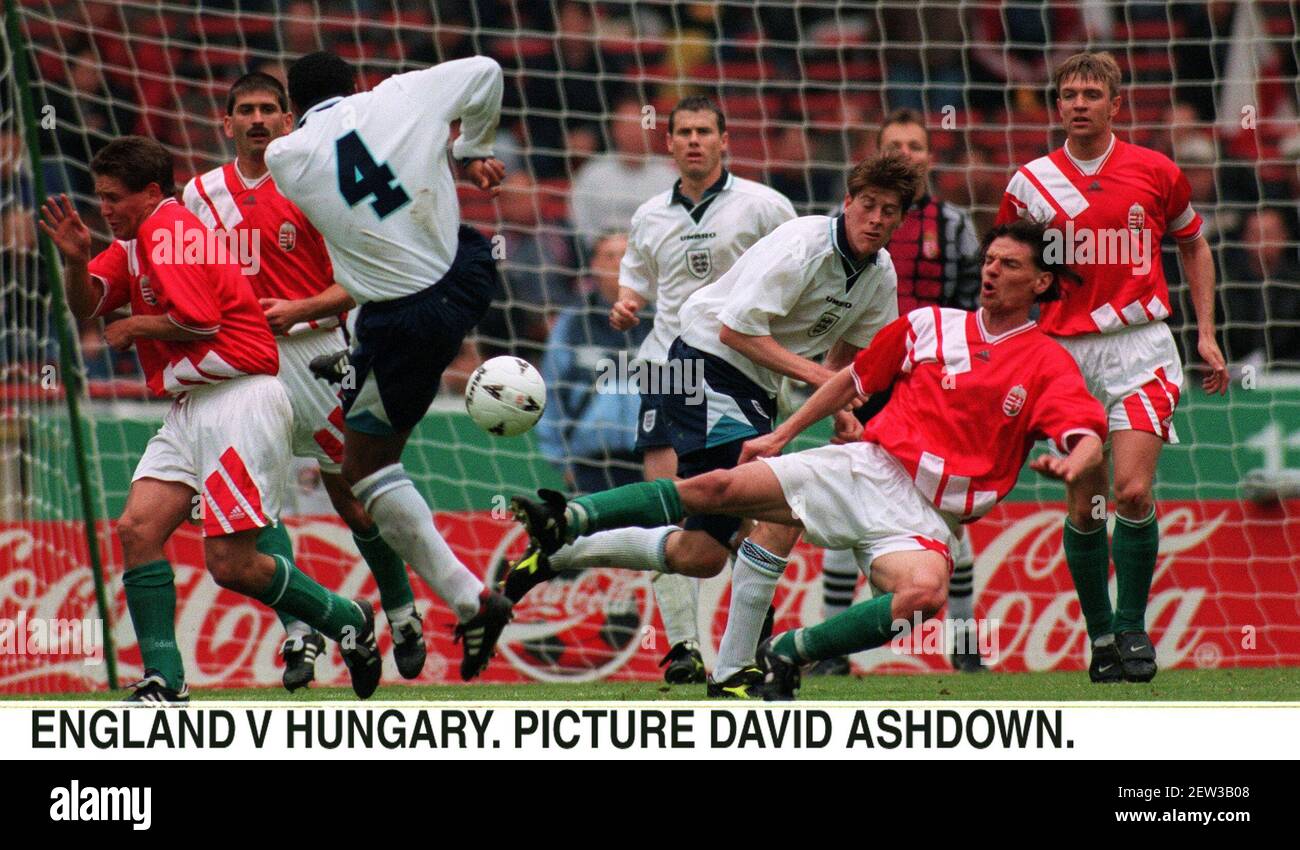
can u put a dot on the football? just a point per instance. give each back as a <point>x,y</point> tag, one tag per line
<point>505,396</point>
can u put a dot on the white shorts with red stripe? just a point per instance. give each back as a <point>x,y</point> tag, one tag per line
<point>229,442</point>
<point>857,496</point>
<point>1135,374</point>
<point>317,416</point>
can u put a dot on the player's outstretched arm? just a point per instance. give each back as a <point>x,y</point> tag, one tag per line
<point>831,396</point>
<point>282,314</point>
<point>1198,263</point>
<point>1085,456</point>
<point>767,352</point>
<point>61,222</point>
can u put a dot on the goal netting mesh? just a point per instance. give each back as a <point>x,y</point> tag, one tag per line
<point>804,86</point>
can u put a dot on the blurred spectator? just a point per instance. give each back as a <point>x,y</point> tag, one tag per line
<point>1261,294</point>
<point>87,115</point>
<point>299,34</point>
<point>589,428</point>
<point>976,184</point>
<point>609,188</point>
<point>923,56</point>
<point>535,260</point>
<point>1019,42</point>
<point>564,90</point>
<point>15,179</point>
<point>25,334</point>
<point>803,176</point>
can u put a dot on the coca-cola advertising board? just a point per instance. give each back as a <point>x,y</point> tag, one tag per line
<point>1226,593</point>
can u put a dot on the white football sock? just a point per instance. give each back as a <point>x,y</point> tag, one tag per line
<point>839,581</point>
<point>297,629</point>
<point>621,548</point>
<point>961,587</point>
<point>678,599</point>
<point>390,497</point>
<point>754,577</point>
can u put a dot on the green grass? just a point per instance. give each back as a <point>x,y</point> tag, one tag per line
<point>1234,685</point>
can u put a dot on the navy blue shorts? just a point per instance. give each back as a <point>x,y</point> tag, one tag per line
<point>652,427</point>
<point>710,425</point>
<point>403,346</point>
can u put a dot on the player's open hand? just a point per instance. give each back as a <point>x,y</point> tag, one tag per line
<point>768,445</point>
<point>622,315</point>
<point>847,428</point>
<point>1216,381</point>
<point>120,335</point>
<point>486,174</point>
<point>1053,467</point>
<point>60,222</point>
<point>280,314</point>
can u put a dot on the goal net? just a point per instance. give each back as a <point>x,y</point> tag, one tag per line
<point>804,87</point>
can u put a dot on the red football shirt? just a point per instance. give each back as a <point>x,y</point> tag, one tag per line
<point>157,278</point>
<point>967,407</point>
<point>293,262</point>
<point>1124,206</point>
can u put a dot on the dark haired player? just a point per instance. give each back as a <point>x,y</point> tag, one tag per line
<point>972,392</point>
<point>294,283</point>
<point>224,444</point>
<point>370,170</point>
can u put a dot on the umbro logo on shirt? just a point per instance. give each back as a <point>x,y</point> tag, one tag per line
<point>249,200</point>
<point>983,355</point>
<point>1095,187</point>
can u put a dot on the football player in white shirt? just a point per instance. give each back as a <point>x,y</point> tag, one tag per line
<point>369,169</point>
<point>815,285</point>
<point>681,239</point>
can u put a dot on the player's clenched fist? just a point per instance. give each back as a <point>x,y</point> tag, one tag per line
<point>486,174</point>
<point>60,221</point>
<point>622,315</point>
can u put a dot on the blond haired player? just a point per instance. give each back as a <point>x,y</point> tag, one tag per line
<point>1125,199</point>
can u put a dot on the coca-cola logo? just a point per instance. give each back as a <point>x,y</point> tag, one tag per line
<point>1222,568</point>
<point>579,627</point>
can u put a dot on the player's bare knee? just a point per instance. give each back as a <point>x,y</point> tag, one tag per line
<point>139,539</point>
<point>1133,499</point>
<point>351,511</point>
<point>921,597</point>
<point>702,492</point>
<point>694,554</point>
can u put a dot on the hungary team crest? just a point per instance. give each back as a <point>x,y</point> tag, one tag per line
<point>1137,217</point>
<point>288,236</point>
<point>1014,401</point>
<point>699,262</point>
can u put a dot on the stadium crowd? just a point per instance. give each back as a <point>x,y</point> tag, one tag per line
<point>803,88</point>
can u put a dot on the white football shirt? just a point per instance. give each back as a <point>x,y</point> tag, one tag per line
<point>674,248</point>
<point>370,171</point>
<point>800,286</point>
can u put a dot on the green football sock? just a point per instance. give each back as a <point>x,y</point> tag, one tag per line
<point>866,625</point>
<point>648,504</point>
<point>298,594</point>
<point>1088,556</point>
<point>151,599</point>
<point>1135,547</point>
<point>388,568</point>
<point>274,540</point>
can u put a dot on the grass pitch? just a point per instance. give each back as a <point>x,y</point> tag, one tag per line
<point>1231,685</point>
